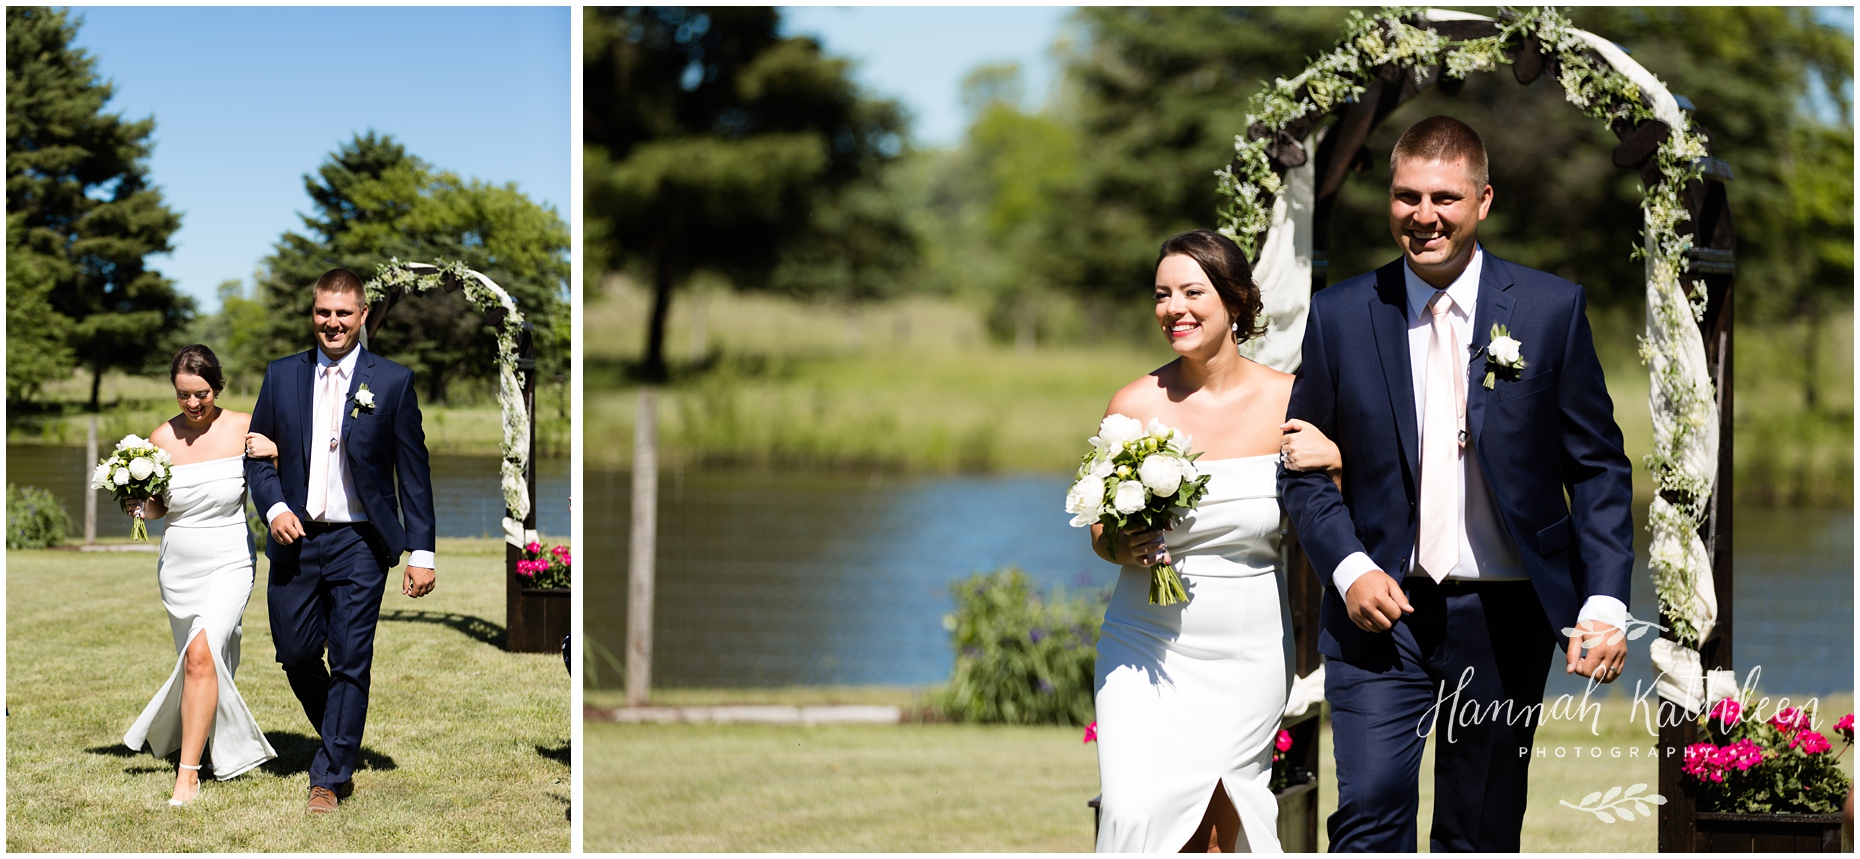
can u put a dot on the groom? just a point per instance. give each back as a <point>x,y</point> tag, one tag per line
<point>1451,556</point>
<point>347,425</point>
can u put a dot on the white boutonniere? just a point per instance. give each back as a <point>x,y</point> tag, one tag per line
<point>365,400</point>
<point>1503,355</point>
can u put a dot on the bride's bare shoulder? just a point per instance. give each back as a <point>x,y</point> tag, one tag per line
<point>1143,397</point>
<point>239,421</point>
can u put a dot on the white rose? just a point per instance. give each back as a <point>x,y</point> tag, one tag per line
<point>1101,468</point>
<point>141,467</point>
<point>1158,430</point>
<point>1180,443</point>
<point>1117,430</point>
<point>1505,351</point>
<point>162,457</point>
<point>121,477</point>
<point>101,477</point>
<point>1130,497</point>
<point>365,398</point>
<point>1086,499</point>
<point>129,441</point>
<point>1162,474</point>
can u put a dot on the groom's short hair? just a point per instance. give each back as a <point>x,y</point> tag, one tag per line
<point>343,280</point>
<point>1443,138</point>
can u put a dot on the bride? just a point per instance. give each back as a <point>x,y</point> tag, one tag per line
<point>1189,696</point>
<point>205,573</point>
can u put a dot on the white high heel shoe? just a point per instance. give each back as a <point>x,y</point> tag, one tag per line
<point>177,803</point>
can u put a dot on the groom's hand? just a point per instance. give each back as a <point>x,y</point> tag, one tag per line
<point>286,529</point>
<point>1592,655</point>
<point>416,582</point>
<point>1376,602</point>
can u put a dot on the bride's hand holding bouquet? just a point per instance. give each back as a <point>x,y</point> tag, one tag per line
<point>1138,479</point>
<point>135,472</point>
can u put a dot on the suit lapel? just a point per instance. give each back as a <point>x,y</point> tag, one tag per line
<point>1495,303</point>
<point>364,370</point>
<point>306,401</point>
<point>1388,316</point>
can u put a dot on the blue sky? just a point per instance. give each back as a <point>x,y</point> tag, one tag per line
<point>248,100</point>
<point>919,55</point>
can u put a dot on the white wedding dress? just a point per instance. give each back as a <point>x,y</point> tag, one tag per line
<point>1191,695</point>
<point>205,572</point>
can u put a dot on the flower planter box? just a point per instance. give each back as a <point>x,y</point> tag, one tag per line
<point>538,618</point>
<point>1765,833</point>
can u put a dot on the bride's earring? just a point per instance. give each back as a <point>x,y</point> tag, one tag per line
<point>1236,331</point>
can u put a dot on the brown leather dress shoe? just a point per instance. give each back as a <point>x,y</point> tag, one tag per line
<point>322,800</point>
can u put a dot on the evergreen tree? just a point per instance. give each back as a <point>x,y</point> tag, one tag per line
<point>713,143</point>
<point>373,201</point>
<point>82,218</point>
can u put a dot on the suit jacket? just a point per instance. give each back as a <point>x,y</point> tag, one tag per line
<point>1545,433</point>
<point>379,445</point>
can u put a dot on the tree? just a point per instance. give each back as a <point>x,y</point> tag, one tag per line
<point>373,201</point>
<point>82,217</point>
<point>714,144</point>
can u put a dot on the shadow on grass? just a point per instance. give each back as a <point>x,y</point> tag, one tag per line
<point>296,751</point>
<point>146,763</point>
<point>559,754</point>
<point>476,628</point>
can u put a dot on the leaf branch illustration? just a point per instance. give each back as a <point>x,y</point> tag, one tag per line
<point>1627,805</point>
<point>1634,629</point>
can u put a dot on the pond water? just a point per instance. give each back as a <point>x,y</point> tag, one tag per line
<point>769,579</point>
<point>466,499</point>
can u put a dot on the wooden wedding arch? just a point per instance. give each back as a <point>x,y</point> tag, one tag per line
<point>535,621</point>
<point>1403,56</point>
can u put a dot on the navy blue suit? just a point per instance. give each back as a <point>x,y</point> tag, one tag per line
<point>327,586</point>
<point>1549,431</point>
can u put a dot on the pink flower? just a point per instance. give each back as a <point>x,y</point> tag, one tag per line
<point>1812,742</point>
<point>1704,762</point>
<point>1091,732</point>
<point>1728,712</point>
<point>1284,742</point>
<point>533,547</point>
<point>1845,727</point>
<point>1741,755</point>
<point>1790,719</point>
<point>523,569</point>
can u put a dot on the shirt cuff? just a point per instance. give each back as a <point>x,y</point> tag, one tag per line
<point>422,558</point>
<point>1606,609</point>
<point>1352,568</point>
<point>276,510</point>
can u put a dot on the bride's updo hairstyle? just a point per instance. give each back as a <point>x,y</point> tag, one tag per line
<point>198,360</point>
<point>1227,270</point>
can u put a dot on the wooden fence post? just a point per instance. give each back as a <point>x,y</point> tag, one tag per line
<point>642,549</point>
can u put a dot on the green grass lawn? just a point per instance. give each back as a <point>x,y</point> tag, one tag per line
<point>985,788</point>
<point>467,746</point>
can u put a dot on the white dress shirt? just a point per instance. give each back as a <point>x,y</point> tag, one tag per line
<point>343,504</point>
<point>1487,553</point>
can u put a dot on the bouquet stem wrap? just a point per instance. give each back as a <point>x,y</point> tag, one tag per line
<point>1138,475</point>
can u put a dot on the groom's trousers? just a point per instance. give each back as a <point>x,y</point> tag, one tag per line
<point>332,593</point>
<point>1448,667</point>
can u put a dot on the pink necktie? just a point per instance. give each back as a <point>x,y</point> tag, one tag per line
<point>320,455</point>
<point>1444,416</point>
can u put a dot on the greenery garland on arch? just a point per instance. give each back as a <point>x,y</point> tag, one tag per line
<point>1683,398</point>
<point>412,278</point>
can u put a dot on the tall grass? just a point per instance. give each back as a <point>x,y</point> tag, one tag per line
<point>919,385</point>
<point>472,425</point>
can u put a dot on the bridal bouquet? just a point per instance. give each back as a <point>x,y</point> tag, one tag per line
<point>137,470</point>
<point>1138,475</point>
